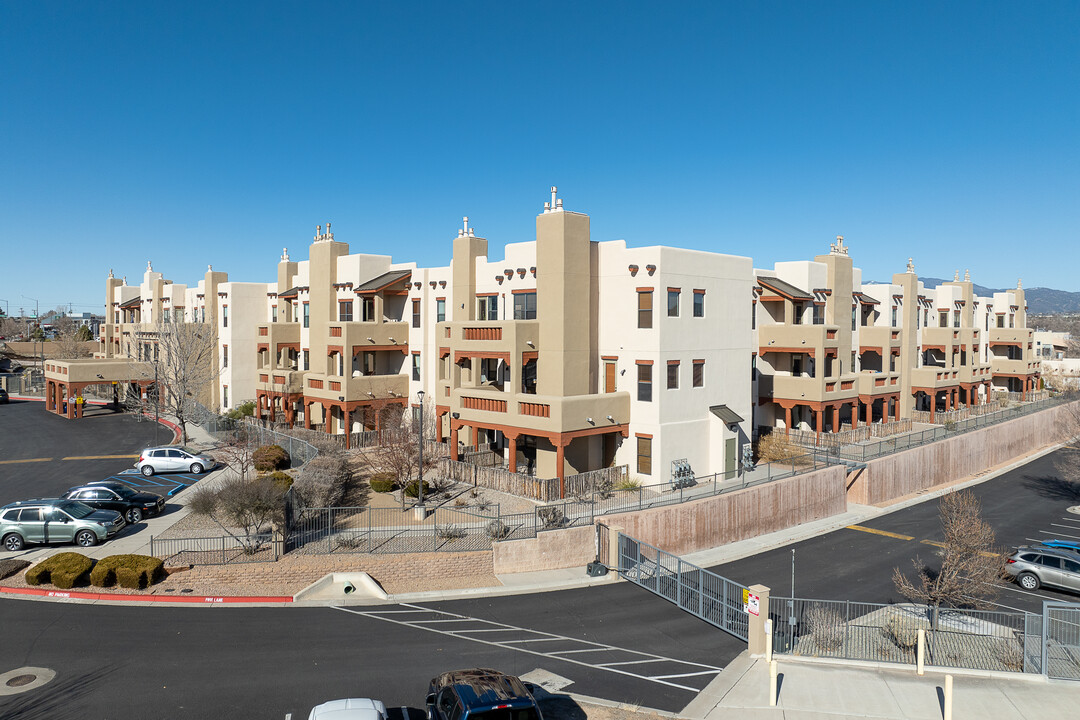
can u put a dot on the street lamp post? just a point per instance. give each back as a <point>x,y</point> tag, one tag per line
<point>420,512</point>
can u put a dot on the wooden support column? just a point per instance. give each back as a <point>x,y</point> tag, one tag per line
<point>787,420</point>
<point>560,458</point>
<point>307,414</point>
<point>453,442</point>
<point>933,405</point>
<point>818,417</point>
<point>836,417</point>
<point>512,449</point>
<point>855,414</point>
<point>348,426</point>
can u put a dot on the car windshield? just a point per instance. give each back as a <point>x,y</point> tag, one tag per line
<point>188,450</point>
<point>527,713</point>
<point>124,492</point>
<point>76,509</point>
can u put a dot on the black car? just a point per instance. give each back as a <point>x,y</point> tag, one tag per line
<point>480,694</point>
<point>119,497</point>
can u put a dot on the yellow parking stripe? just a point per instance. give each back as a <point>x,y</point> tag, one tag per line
<point>880,532</point>
<point>933,542</point>
<point>100,457</point>
<point>11,462</point>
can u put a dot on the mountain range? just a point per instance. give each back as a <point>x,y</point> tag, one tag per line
<point>1041,301</point>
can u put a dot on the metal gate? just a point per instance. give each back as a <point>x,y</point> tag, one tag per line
<point>1061,640</point>
<point>709,596</point>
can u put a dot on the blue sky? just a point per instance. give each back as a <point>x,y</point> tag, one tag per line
<point>194,133</point>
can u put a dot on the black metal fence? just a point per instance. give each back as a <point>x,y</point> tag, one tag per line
<point>223,550</point>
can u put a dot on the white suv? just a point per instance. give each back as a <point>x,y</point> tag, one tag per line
<point>173,459</point>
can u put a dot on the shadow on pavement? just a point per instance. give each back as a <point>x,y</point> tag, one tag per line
<point>1052,487</point>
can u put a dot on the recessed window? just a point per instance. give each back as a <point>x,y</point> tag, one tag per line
<point>525,306</point>
<point>673,302</point>
<point>345,311</point>
<point>487,307</point>
<point>273,313</point>
<point>367,309</point>
<point>416,312</point>
<point>307,315</point>
<point>224,316</point>
<point>440,310</point>
<point>644,308</point>
<point>225,356</point>
<point>416,366</point>
<point>644,455</point>
<point>699,303</point>
<point>699,373</point>
<point>672,376</point>
<point>644,383</point>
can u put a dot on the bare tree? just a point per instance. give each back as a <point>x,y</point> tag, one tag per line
<point>238,453</point>
<point>182,360</point>
<point>69,344</point>
<point>971,564</point>
<point>325,481</point>
<point>249,506</point>
<point>398,451</point>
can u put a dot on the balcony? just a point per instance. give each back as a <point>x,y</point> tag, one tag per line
<point>281,381</point>
<point>1005,366</point>
<point>359,388</point>
<point>544,414</point>
<point>810,339</point>
<point>355,337</point>
<point>1009,336</point>
<point>878,338</point>
<point>875,384</point>
<point>490,338</point>
<point>931,376</point>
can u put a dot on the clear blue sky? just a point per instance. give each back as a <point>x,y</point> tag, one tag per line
<point>192,133</point>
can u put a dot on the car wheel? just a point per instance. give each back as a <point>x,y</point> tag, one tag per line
<point>133,515</point>
<point>147,470</point>
<point>196,468</point>
<point>13,542</point>
<point>1028,581</point>
<point>85,538</point>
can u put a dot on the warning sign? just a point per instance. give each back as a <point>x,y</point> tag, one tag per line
<point>751,603</point>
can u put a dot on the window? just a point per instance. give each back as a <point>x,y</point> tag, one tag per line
<point>416,366</point>
<point>1011,316</point>
<point>307,360</point>
<point>367,309</point>
<point>487,307</point>
<point>892,318</point>
<point>345,311</point>
<point>416,312</point>
<point>307,315</point>
<point>1001,321</point>
<point>225,396</point>
<point>525,306</point>
<point>956,318</point>
<point>224,316</point>
<point>918,317</point>
<point>644,382</point>
<point>273,313</point>
<point>943,319</point>
<point>673,302</point>
<point>853,361</point>
<point>673,375</point>
<point>644,454</point>
<point>797,309</point>
<point>699,303</point>
<point>225,356</point>
<point>440,310</point>
<point>854,316</point>
<point>644,308</point>
<point>819,314</point>
<point>699,373</point>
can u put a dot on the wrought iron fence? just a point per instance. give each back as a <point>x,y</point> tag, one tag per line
<point>223,550</point>
<point>700,592</point>
<point>974,639</point>
<point>223,428</point>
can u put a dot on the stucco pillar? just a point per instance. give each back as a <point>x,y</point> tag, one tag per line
<point>855,414</point>
<point>756,637</point>
<point>787,420</point>
<point>453,442</point>
<point>512,449</point>
<point>836,418</point>
<point>71,402</point>
<point>818,417</point>
<point>560,457</point>
<point>933,404</point>
<point>48,395</point>
<point>307,415</point>
<point>896,407</point>
<point>475,434</point>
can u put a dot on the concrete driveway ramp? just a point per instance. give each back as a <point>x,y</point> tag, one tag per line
<point>342,587</point>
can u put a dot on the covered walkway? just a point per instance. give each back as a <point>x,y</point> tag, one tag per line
<point>66,381</point>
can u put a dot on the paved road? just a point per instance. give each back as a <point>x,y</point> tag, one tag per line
<point>34,444</point>
<point>1024,505</point>
<point>137,662</point>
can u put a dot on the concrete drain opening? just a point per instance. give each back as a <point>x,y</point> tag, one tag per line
<point>24,679</point>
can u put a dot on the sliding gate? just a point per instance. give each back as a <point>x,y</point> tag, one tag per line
<point>709,596</point>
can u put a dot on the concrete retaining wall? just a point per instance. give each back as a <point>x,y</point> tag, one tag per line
<point>550,550</point>
<point>738,515</point>
<point>921,468</point>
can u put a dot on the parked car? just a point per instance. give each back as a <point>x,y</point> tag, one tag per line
<point>111,495</point>
<point>480,694</point>
<point>54,520</point>
<point>4,396</point>
<point>173,459</point>
<point>1034,567</point>
<point>349,709</point>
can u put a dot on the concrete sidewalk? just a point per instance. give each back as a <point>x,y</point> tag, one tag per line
<point>820,689</point>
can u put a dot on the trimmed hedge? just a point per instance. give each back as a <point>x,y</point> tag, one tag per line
<point>64,570</point>
<point>412,491</point>
<point>281,478</point>
<point>134,572</point>
<point>270,457</point>
<point>10,566</point>
<point>382,482</point>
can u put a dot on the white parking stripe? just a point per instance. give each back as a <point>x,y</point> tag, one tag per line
<point>694,669</point>
<point>1057,534</point>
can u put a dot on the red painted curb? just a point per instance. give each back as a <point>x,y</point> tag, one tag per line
<point>197,599</point>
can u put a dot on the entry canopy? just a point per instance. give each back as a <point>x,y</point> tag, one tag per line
<point>726,414</point>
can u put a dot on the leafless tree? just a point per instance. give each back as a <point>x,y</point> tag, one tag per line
<point>238,453</point>
<point>398,451</point>
<point>69,343</point>
<point>250,506</point>
<point>185,358</point>
<point>326,481</point>
<point>971,564</point>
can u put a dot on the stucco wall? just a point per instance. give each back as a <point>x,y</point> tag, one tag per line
<point>547,551</point>
<point>738,515</point>
<point>913,470</point>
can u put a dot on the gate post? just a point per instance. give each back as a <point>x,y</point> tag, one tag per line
<point>612,560</point>
<point>756,636</point>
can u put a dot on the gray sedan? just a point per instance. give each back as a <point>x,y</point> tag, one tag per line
<point>173,459</point>
<point>1034,567</point>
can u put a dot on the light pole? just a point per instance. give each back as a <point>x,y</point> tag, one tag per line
<point>37,319</point>
<point>420,512</point>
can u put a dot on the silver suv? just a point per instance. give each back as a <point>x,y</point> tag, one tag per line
<point>173,459</point>
<point>53,520</point>
<point>1036,566</point>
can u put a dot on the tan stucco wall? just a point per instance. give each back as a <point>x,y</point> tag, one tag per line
<point>738,515</point>
<point>924,467</point>
<point>547,551</point>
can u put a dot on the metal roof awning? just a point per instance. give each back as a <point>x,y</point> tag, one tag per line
<point>726,414</point>
<point>782,288</point>
<point>133,302</point>
<point>383,281</point>
<point>293,291</point>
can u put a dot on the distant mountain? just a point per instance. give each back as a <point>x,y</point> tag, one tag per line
<point>1041,301</point>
